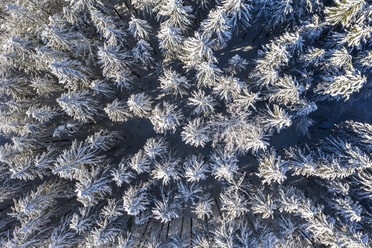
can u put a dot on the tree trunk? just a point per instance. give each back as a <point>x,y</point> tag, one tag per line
<point>218,206</point>
<point>143,234</point>
<point>258,35</point>
<point>168,230</point>
<point>183,219</point>
<point>207,226</point>
<point>190,231</point>
<point>117,13</point>
<point>161,229</point>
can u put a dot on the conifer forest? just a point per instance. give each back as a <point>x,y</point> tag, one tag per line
<point>185,123</point>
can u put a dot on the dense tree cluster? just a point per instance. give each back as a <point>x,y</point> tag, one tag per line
<point>152,123</point>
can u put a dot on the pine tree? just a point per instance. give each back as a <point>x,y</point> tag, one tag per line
<point>229,88</point>
<point>203,104</point>
<point>341,59</point>
<point>238,12</point>
<point>271,168</point>
<point>204,207</point>
<point>142,53</point>
<point>164,209</point>
<point>357,36</point>
<point>62,236</point>
<point>140,162</point>
<point>197,49</point>
<point>276,118</point>
<point>92,189</point>
<point>177,14</point>
<point>344,12</point>
<point>165,118</point>
<point>139,28</point>
<point>167,169</point>
<point>208,74</point>
<point>140,104</point>
<point>135,200</point>
<point>79,105</point>
<point>67,74</point>
<point>117,111</point>
<point>170,40</point>
<point>223,164</point>
<point>173,83</point>
<point>216,26</point>
<point>113,60</point>
<point>237,64</point>
<point>195,168</point>
<point>342,86</point>
<point>155,147</point>
<point>195,134</point>
<point>188,193</point>
<point>102,88</point>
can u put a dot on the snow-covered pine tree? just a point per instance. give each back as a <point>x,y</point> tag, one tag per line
<point>177,123</point>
